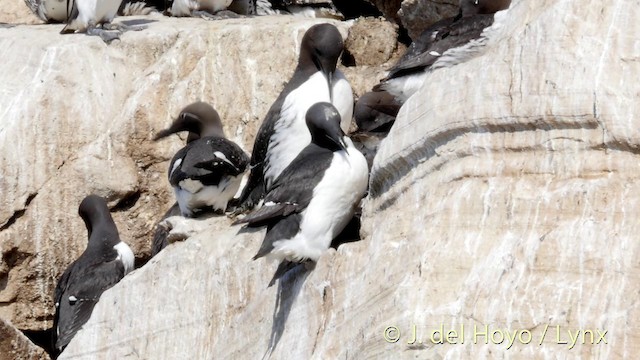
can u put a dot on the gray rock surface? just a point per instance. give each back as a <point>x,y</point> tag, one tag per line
<point>417,15</point>
<point>504,200</point>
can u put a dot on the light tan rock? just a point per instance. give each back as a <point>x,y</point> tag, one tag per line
<point>505,196</point>
<point>371,41</point>
<point>17,12</point>
<point>15,346</point>
<point>78,117</point>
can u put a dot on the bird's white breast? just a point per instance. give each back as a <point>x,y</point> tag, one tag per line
<point>404,86</point>
<point>291,134</point>
<point>97,11</point>
<point>331,208</point>
<point>192,194</point>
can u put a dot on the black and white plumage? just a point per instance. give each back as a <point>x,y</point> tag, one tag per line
<point>283,133</point>
<point>446,43</point>
<point>55,11</point>
<point>105,262</point>
<point>302,8</point>
<point>94,17</point>
<point>212,9</point>
<point>207,172</point>
<point>315,197</point>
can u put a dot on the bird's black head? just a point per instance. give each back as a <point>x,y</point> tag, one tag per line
<point>475,7</point>
<point>321,47</point>
<point>94,212</point>
<point>199,119</point>
<point>323,121</point>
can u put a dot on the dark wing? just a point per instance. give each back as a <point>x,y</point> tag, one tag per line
<point>159,241</point>
<point>434,41</point>
<point>225,156</point>
<point>72,10</point>
<point>284,228</point>
<point>81,295</point>
<point>376,109</point>
<point>282,269</point>
<point>254,191</point>
<point>293,189</point>
<point>208,160</point>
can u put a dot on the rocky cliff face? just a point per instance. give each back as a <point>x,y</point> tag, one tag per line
<point>78,117</point>
<point>502,202</point>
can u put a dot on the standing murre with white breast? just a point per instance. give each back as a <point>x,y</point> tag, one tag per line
<point>283,133</point>
<point>94,17</point>
<point>207,172</point>
<point>103,264</point>
<point>315,197</point>
<point>52,11</point>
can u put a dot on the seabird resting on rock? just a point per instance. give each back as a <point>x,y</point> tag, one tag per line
<point>105,262</point>
<point>87,15</point>
<point>444,44</point>
<point>207,172</point>
<point>315,197</point>
<point>283,133</point>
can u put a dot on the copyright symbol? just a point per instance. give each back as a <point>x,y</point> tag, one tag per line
<point>391,334</point>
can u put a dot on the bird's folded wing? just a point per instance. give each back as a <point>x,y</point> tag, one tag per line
<point>78,301</point>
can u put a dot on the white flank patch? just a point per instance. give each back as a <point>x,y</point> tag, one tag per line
<point>214,196</point>
<point>403,87</point>
<point>223,157</point>
<point>125,255</point>
<point>291,134</point>
<point>176,164</point>
<point>214,5</point>
<point>183,7</point>
<point>332,206</point>
<point>474,47</point>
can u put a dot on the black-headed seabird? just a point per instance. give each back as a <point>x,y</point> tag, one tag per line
<point>105,262</point>
<point>283,133</point>
<point>207,172</point>
<point>315,197</point>
<point>444,44</point>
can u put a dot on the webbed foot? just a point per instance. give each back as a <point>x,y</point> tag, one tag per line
<point>106,35</point>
